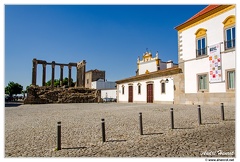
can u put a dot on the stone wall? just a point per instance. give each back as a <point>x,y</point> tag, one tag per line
<point>45,95</point>
<point>228,98</point>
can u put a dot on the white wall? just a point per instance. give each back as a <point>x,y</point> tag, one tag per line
<point>169,95</point>
<point>140,97</point>
<point>215,34</point>
<point>122,97</point>
<point>100,84</point>
<point>109,93</point>
<point>163,65</point>
<point>158,96</point>
<point>193,66</point>
<point>151,66</point>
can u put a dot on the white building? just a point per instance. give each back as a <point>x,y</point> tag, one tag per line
<point>154,82</point>
<point>101,84</point>
<point>206,70</point>
<point>108,89</point>
<point>207,56</point>
<point>109,93</point>
<point>95,79</point>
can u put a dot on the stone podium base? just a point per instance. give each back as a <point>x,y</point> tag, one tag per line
<point>45,95</point>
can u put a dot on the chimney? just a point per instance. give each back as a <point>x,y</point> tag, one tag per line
<point>169,64</point>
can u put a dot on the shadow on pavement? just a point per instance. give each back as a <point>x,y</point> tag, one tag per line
<point>152,133</point>
<point>13,104</point>
<point>116,141</point>
<point>77,148</point>
<point>183,128</point>
<point>209,123</point>
<point>229,120</point>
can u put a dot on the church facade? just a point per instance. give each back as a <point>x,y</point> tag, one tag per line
<point>153,83</point>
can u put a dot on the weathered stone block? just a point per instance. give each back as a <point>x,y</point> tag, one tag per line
<point>44,95</point>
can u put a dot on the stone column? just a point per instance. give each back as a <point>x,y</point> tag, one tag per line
<point>81,68</point>
<point>69,75</point>
<point>34,71</point>
<point>44,74</point>
<point>61,75</point>
<point>53,71</point>
<point>83,74</point>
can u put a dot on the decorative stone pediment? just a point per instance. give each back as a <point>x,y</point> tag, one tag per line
<point>201,32</point>
<point>229,21</point>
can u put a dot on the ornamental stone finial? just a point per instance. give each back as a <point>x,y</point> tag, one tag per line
<point>81,64</point>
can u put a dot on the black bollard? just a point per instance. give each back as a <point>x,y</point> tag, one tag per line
<point>199,115</point>
<point>222,111</point>
<point>172,119</point>
<point>103,131</point>
<point>58,135</point>
<point>140,123</point>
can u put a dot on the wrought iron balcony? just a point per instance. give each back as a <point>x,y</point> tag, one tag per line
<point>201,52</point>
<point>229,44</point>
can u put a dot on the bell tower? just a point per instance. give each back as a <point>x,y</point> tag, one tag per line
<point>148,63</point>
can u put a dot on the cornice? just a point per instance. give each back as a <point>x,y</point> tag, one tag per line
<point>202,18</point>
<point>159,73</point>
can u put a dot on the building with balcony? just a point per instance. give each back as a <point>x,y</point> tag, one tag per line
<point>205,73</point>
<point>207,56</point>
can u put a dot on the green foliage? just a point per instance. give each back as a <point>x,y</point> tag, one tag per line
<point>57,82</point>
<point>13,88</point>
<point>65,81</point>
<point>27,87</point>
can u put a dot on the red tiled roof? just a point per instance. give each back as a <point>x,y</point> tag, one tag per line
<point>202,12</point>
<point>158,73</point>
<point>205,10</point>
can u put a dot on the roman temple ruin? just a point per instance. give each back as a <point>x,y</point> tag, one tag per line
<point>60,94</point>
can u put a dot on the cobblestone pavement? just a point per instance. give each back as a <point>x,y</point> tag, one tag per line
<point>30,131</point>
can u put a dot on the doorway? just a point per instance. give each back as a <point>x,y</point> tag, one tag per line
<point>130,93</point>
<point>150,93</point>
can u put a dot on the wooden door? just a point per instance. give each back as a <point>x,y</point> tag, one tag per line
<point>130,93</point>
<point>150,93</point>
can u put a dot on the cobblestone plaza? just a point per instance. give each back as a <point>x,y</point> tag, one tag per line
<point>31,131</point>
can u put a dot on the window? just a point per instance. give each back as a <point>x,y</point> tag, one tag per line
<point>202,82</point>
<point>123,90</point>
<point>163,88</point>
<point>201,42</point>
<point>231,80</point>
<point>201,46</point>
<point>229,32</point>
<point>139,88</point>
<point>229,38</point>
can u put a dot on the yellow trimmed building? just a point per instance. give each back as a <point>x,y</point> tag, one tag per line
<point>153,83</point>
<point>207,56</point>
<point>205,73</point>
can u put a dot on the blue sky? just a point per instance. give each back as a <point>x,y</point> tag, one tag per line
<point>108,37</point>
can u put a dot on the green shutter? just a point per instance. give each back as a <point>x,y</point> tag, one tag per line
<point>202,80</point>
<point>231,80</point>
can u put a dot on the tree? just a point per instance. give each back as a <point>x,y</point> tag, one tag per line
<point>65,82</point>
<point>57,82</point>
<point>13,88</point>
<point>28,87</point>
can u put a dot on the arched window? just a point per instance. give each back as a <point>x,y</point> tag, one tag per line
<point>123,89</point>
<point>139,88</point>
<point>229,32</point>
<point>201,42</point>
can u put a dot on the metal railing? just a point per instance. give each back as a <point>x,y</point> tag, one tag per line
<point>229,44</point>
<point>201,52</point>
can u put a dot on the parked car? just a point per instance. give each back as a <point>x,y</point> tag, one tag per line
<point>109,99</point>
<point>8,98</point>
